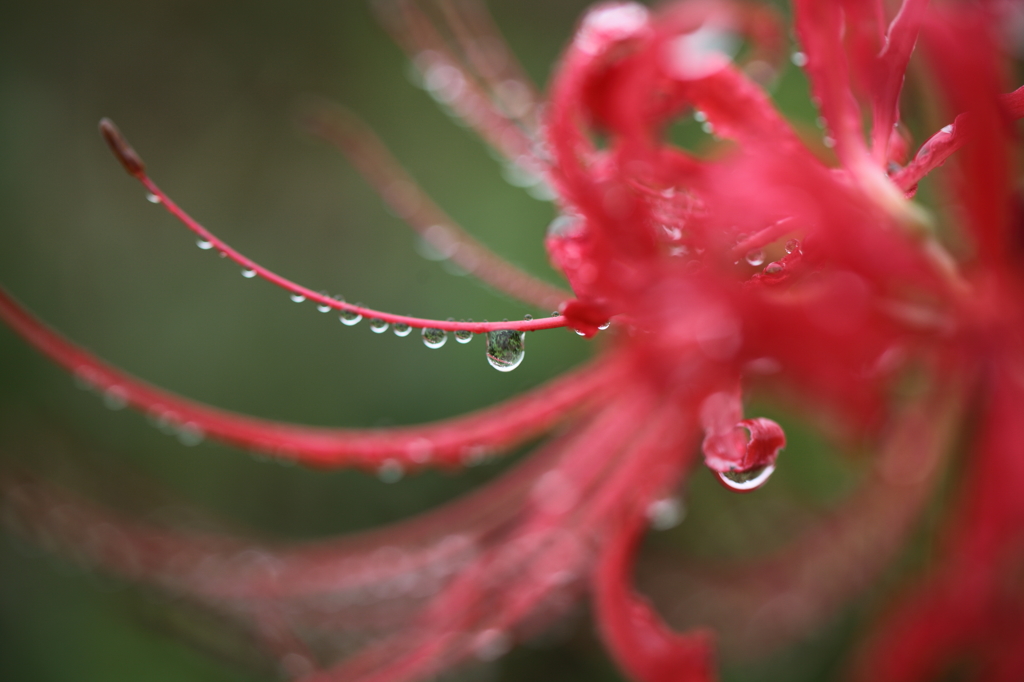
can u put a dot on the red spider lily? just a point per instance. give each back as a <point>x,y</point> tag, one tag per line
<point>863,312</point>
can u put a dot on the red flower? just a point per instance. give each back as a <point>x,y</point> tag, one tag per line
<point>762,264</point>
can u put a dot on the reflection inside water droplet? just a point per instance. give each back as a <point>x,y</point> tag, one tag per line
<point>434,338</point>
<point>751,479</point>
<point>792,245</point>
<point>378,326</point>
<point>755,257</point>
<point>402,329</point>
<point>463,336</point>
<point>349,317</point>
<point>506,349</point>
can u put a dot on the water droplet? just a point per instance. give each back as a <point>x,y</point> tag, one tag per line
<point>349,317</point>
<point>378,326</point>
<point>401,329</point>
<point>755,257</point>
<point>798,59</point>
<point>699,116</point>
<point>323,307</point>
<point>463,336</point>
<point>491,644</point>
<point>666,513</point>
<point>526,317</point>
<point>190,434</point>
<point>948,129</point>
<point>115,398</point>
<point>792,245</point>
<point>774,268</point>
<point>204,244</point>
<point>152,198</point>
<point>434,338</point>
<point>506,349</point>
<point>828,141</point>
<point>298,298</point>
<point>604,327</point>
<point>248,273</point>
<point>390,471</point>
<point>707,127</point>
<point>564,226</point>
<point>751,479</point>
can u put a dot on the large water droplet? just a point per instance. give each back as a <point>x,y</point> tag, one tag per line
<point>792,245</point>
<point>434,338</point>
<point>349,317</point>
<point>204,244</point>
<point>401,329</point>
<point>248,273</point>
<point>506,349</point>
<point>755,257</point>
<point>378,326</point>
<point>751,479</point>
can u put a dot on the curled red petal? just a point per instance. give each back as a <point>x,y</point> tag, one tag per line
<point>646,649</point>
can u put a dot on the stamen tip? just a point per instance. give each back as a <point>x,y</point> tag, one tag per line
<point>122,150</point>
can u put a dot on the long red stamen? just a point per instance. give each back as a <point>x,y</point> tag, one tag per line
<point>445,443</point>
<point>130,159</point>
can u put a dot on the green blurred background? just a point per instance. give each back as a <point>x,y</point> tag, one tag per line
<point>206,92</point>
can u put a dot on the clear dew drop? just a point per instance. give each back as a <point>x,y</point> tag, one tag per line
<point>792,245</point>
<point>506,349</point>
<point>666,513</point>
<point>604,327</point>
<point>774,268</point>
<point>323,307</point>
<point>248,273</point>
<point>463,336</point>
<point>152,198</point>
<point>390,471</point>
<point>297,298</point>
<point>755,257</point>
<point>204,244</point>
<point>378,326</point>
<point>349,317</point>
<point>948,129</point>
<point>115,398</point>
<point>190,434</point>
<point>699,116</point>
<point>401,329</point>
<point>798,59</point>
<point>751,479</point>
<point>492,644</point>
<point>434,338</point>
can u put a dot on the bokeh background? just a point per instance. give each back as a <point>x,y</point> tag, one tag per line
<point>206,91</point>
